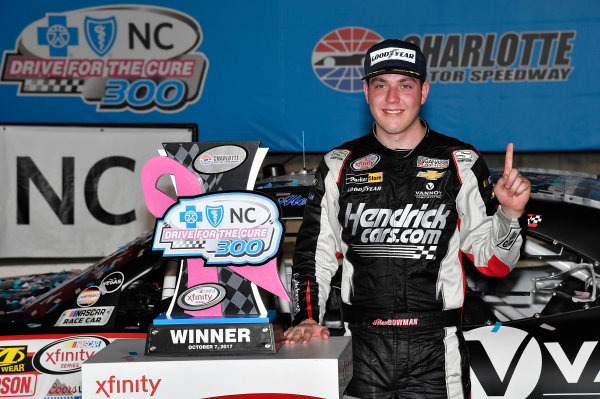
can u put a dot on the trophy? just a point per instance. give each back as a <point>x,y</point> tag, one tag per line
<point>227,240</point>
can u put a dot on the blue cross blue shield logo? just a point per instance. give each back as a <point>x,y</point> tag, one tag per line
<point>100,34</point>
<point>190,217</point>
<point>214,215</point>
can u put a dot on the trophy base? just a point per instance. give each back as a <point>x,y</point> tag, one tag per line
<point>192,336</point>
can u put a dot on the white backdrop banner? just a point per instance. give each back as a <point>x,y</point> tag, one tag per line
<point>75,191</point>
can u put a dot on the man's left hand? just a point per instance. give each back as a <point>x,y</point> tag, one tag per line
<point>512,189</point>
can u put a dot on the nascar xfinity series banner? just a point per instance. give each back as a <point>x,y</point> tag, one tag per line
<point>500,71</point>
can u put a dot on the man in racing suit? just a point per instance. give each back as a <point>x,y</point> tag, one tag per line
<point>403,204</point>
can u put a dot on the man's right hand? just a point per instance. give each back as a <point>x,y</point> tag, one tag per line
<point>305,331</point>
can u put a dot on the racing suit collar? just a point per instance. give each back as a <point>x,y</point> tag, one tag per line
<point>406,152</point>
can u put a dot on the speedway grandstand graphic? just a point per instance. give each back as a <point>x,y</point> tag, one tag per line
<point>124,57</point>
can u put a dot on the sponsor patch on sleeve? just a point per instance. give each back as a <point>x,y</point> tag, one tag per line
<point>465,156</point>
<point>339,155</point>
<point>510,238</point>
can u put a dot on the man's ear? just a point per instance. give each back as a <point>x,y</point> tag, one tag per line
<point>366,89</point>
<point>424,92</point>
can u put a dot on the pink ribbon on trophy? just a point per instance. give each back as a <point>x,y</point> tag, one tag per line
<point>188,185</point>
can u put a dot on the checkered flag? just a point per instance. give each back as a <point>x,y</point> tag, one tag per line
<point>184,153</point>
<point>198,244</point>
<point>239,298</point>
<point>62,86</point>
<point>533,220</point>
<point>428,253</point>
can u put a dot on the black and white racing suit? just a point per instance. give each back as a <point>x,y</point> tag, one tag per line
<point>401,219</point>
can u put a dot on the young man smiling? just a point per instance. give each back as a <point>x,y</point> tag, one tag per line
<point>403,204</point>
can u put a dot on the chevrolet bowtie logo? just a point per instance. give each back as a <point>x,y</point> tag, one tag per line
<point>431,174</point>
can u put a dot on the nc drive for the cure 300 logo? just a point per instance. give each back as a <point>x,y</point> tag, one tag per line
<point>223,228</point>
<point>122,57</point>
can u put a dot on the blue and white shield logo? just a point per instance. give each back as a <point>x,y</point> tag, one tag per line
<point>100,34</point>
<point>214,215</point>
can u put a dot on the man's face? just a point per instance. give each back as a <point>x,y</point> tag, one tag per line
<point>395,101</point>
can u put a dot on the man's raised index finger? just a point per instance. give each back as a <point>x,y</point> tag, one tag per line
<point>508,161</point>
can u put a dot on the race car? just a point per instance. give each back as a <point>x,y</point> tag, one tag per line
<point>531,334</point>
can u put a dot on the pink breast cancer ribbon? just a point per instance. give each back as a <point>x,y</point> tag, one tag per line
<point>188,185</point>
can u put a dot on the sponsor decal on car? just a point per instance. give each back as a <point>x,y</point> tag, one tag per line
<point>508,352</point>
<point>507,362</point>
<point>66,355</point>
<point>60,390</point>
<point>96,316</point>
<point>533,219</point>
<point>287,199</point>
<point>12,358</point>
<point>17,385</point>
<point>89,296</point>
<point>112,282</point>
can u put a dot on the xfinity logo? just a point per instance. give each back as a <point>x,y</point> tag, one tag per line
<point>114,385</point>
<point>366,162</point>
<point>393,53</point>
<point>66,355</point>
<point>202,296</point>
